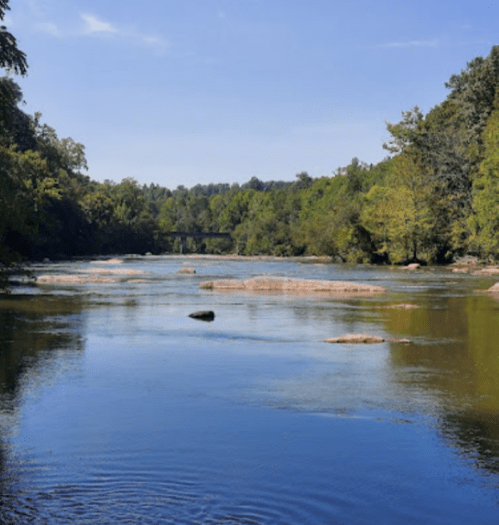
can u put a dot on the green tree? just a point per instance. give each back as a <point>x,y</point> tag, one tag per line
<point>25,188</point>
<point>484,223</point>
<point>11,57</point>
<point>398,215</point>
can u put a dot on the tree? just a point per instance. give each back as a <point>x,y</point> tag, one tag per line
<point>398,215</point>
<point>11,57</point>
<point>15,125</point>
<point>25,189</point>
<point>484,222</point>
<point>303,181</point>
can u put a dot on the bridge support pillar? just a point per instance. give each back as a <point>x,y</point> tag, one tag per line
<point>183,245</point>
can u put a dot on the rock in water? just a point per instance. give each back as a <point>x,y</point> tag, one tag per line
<point>295,286</point>
<point>187,270</point>
<point>203,315</point>
<point>356,339</point>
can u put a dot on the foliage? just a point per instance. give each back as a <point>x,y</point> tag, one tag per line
<point>434,197</point>
<point>484,222</point>
<point>11,57</point>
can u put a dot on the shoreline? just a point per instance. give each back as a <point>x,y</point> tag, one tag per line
<point>465,265</point>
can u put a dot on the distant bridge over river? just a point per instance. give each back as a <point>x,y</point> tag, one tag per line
<point>196,235</point>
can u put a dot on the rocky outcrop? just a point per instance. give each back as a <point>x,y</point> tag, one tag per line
<point>297,286</point>
<point>363,339</point>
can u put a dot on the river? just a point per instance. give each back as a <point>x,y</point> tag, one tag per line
<point>117,407</point>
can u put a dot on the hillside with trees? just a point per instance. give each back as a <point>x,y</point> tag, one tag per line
<point>434,197</point>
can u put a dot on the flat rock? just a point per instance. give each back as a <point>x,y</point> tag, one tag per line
<point>494,288</point>
<point>403,306</point>
<point>187,270</point>
<point>411,267</point>
<point>356,339</point>
<point>108,261</point>
<point>490,270</point>
<point>297,286</point>
<point>74,279</point>
<point>203,315</point>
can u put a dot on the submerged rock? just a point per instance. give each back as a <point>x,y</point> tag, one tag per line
<point>356,339</point>
<point>203,315</point>
<point>403,306</point>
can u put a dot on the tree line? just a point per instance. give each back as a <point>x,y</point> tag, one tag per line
<point>434,197</point>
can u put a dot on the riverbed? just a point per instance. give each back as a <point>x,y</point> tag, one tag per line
<point>117,407</point>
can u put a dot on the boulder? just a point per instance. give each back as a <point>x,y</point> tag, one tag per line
<point>203,315</point>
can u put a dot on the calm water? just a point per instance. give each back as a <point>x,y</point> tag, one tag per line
<point>116,407</point>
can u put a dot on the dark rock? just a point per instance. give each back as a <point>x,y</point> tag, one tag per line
<point>203,315</point>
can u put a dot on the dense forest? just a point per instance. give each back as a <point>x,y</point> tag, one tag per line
<point>434,197</point>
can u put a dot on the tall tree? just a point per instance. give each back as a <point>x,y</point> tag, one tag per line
<point>11,57</point>
<point>484,222</point>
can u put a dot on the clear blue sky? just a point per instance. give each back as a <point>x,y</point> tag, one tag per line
<point>198,91</point>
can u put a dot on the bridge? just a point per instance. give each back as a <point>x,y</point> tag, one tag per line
<point>196,235</point>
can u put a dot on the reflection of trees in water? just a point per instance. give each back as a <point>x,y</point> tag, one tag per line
<point>477,435</point>
<point>34,333</point>
<point>31,329</point>
<point>455,361</point>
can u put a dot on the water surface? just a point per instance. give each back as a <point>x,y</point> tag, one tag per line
<point>116,407</point>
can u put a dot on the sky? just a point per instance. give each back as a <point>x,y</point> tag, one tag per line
<point>186,92</point>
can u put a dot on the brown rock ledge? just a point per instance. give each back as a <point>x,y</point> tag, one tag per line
<point>363,339</point>
<point>298,286</point>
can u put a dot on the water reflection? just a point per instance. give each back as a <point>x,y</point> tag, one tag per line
<point>170,410</point>
<point>456,360</point>
<point>32,329</point>
<point>41,339</point>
